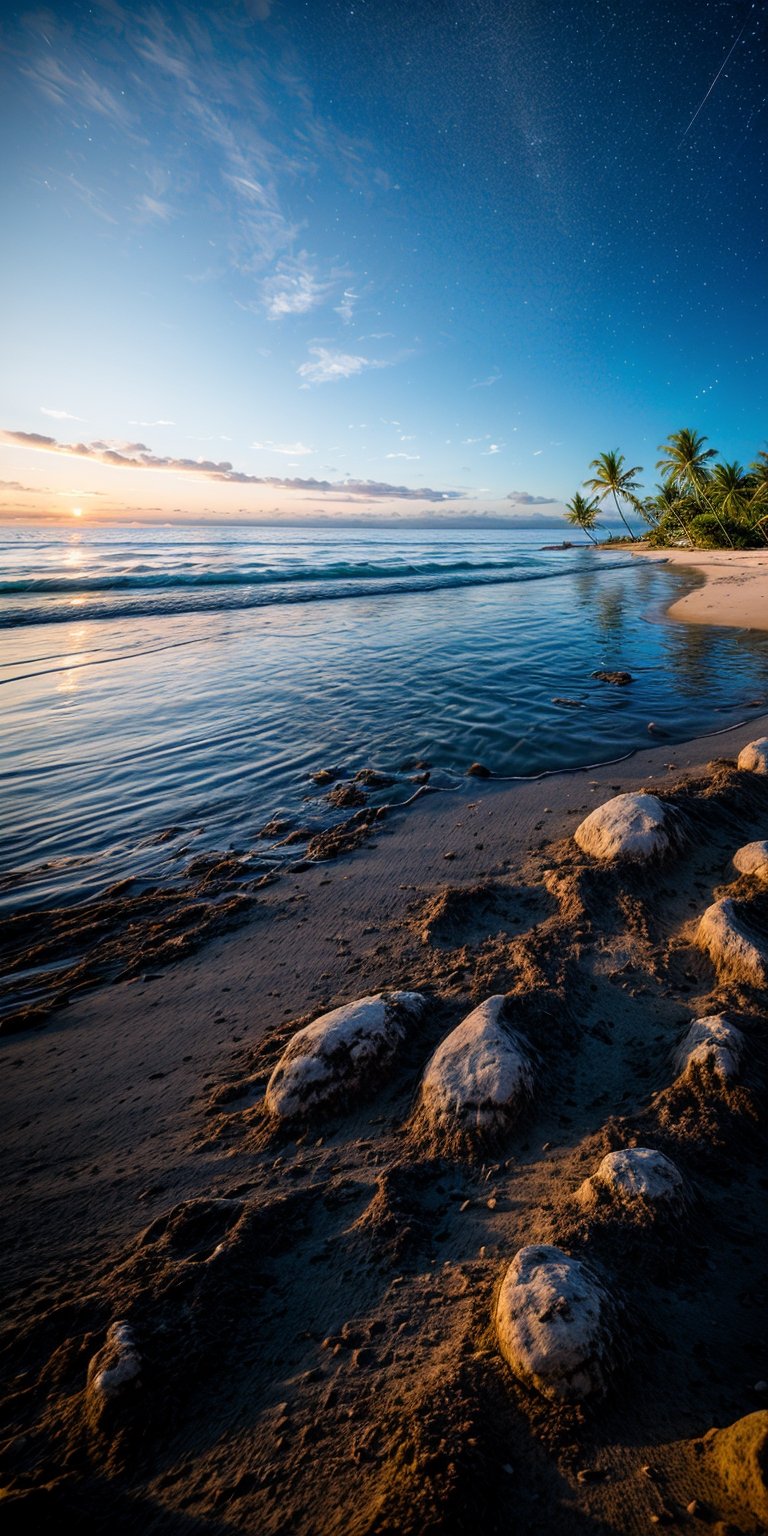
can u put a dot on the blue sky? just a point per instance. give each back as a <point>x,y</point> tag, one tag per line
<point>280,258</point>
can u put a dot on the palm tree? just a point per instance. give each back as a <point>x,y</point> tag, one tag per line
<point>686,464</point>
<point>611,478</point>
<point>583,514</point>
<point>668,505</point>
<point>757,511</point>
<point>730,488</point>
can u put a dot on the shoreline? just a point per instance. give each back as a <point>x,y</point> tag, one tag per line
<point>734,591</point>
<point>164,1077</point>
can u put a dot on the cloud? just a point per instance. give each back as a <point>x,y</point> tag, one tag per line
<point>15,485</point>
<point>162,422</point>
<point>294,289</point>
<point>245,128</point>
<point>403,456</point>
<point>138,456</point>
<point>493,378</point>
<point>47,410</point>
<point>293,450</point>
<point>494,448</point>
<point>527,499</point>
<point>470,441</point>
<point>346,307</point>
<point>328,367</point>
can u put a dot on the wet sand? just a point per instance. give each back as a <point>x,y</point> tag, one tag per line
<point>311,1306</point>
<point>734,591</point>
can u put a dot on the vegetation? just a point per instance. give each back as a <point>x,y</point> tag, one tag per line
<point>699,502</point>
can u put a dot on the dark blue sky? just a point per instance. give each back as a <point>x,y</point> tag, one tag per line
<point>393,250</point>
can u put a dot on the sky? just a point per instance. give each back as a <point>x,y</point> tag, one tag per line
<point>282,259</point>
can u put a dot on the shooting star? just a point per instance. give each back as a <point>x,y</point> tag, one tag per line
<point>703,103</point>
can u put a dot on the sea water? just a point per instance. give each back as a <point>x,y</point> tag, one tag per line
<point>169,690</point>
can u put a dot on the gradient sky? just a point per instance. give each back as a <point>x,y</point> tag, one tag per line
<point>428,257</point>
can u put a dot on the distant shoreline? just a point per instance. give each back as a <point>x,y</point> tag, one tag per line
<point>734,592</point>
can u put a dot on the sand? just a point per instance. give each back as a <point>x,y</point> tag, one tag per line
<point>734,591</point>
<point>296,1325</point>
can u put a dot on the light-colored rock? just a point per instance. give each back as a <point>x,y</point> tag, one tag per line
<point>633,827</point>
<point>754,757</point>
<point>556,1324</point>
<point>117,1365</point>
<point>735,951</point>
<point>752,859</point>
<point>337,1053</point>
<point>713,1042</point>
<point>478,1078</point>
<point>635,1178</point>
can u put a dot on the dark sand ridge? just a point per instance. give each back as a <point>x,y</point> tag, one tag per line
<point>338,1372</point>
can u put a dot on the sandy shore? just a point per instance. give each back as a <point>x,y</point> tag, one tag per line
<point>734,591</point>
<point>338,1373</point>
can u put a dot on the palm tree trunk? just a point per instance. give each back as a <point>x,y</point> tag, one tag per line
<point>623,519</point>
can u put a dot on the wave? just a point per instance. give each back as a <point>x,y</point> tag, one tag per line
<point>239,576</point>
<point>190,599</point>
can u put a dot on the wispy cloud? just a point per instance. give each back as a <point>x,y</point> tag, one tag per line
<point>413,456</point>
<point>494,448</point>
<point>47,410</point>
<point>16,485</point>
<point>293,450</point>
<point>493,378</point>
<point>527,499</point>
<point>346,308</point>
<point>235,144</point>
<point>138,456</point>
<point>327,367</point>
<point>295,288</point>
<point>161,422</point>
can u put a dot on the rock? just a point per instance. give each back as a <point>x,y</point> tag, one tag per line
<point>739,1455</point>
<point>635,1178</point>
<point>478,771</point>
<point>633,827</point>
<point>336,1054</point>
<point>735,951</point>
<point>556,1324</point>
<point>478,1079</point>
<point>373,780</point>
<point>754,757</point>
<point>752,859</point>
<point>113,1376</point>
<point>712,1042</point>
<point>620,679</point>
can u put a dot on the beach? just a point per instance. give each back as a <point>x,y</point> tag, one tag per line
<point>340,1372</point>
<point>735,588</point>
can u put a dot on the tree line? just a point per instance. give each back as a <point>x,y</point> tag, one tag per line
<point>701,504</point>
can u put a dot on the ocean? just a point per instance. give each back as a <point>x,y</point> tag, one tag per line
<point>168,691</point>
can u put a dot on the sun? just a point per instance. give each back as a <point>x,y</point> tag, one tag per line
<point>77,511</point>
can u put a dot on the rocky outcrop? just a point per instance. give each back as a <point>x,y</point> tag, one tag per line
<point>752,859</point>
<point>337,1054</point>
<point>634,828</point>
<point>478,1080</point>
<point>754,757</point>
<point>713,1043</point>
<point>637,1180</point>
<point>735,950</point>
<point>556,1325</point>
